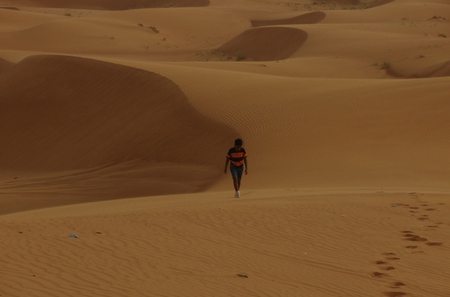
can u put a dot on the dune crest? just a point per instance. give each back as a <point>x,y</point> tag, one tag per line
<point>65,113</point>
<point>358,2</point>
<point>61,113</point>
<point>112,5</point>
<point>265,44</point>
<point>10,8</point>
<point>307,18</point>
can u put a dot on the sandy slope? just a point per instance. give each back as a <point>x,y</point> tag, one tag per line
<point>343,111</point>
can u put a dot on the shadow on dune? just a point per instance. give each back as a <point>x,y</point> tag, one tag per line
<point>380,2</point>
<point>354,3</point>
<point>308,18</point>
<point>112,4</point>
<point>10,8</point>
<point>265,44</point>
<point>440,70</point>
<point>4,65</point>
<point>62,113</point>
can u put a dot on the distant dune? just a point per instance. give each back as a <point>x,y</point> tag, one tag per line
<point>265,44</point>
<point>307,18</point>
<point>111,5</point>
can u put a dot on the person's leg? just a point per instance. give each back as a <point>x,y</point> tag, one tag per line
<point>234,175</point>
<point>236,183</point>
<point>239,171</point>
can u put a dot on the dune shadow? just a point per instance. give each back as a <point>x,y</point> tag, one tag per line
<point>4,65</point>
<point>60,113</point>
<point>349,4</point>
<point>308,18</point>
<point>9,7</point>
<point>438,70</point>
<point>265,44</point>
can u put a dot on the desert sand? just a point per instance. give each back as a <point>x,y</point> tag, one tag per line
<point>115,118</point>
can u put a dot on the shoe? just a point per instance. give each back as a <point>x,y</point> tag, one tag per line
<point>235,194</point>
<point>238,194</point>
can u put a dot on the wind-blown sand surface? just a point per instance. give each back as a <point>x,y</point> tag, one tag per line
<point>115,118</point>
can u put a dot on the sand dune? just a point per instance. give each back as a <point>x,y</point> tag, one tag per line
<point>282,243</point>
<point>307,18</point>
<point>265,44</point>
<point>115,117</point>
<point>4,65</point>
<point>57,115</point>
<point>59,105</point>
<point>111,5</point>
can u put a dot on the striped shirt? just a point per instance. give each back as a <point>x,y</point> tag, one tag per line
<point>237,157</point>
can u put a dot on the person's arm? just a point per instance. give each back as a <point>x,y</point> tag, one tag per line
<point>226,165</point>
<point>246,166</point>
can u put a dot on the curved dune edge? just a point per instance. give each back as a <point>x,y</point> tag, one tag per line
<point>308,18</point>
<point>63,114</point>
<point>380,2</point>
<point>353,4</point>
<point>112,4</point>
<point>440,70</point>
<point>4,65</point>
<point>357,2</point>
<point>9,7</point>
<point>66,113</point>
<point>265,44</point>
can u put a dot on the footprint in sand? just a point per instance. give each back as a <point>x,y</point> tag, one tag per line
<point>411,246</point>
<point>378,274</point>
<point>390,256</point>
<point>413,237</point>
<point>434,243</point>
<point>388,268</point>
<point>394,294</point>
<point>395,285</point>
<point>423,218</point>
<point>384,267</point>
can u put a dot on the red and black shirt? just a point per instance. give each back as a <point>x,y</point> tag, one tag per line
<point>237,157</point>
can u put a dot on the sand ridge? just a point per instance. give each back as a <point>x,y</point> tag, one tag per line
<point>110,5</point>
<point>307,18</point>
<point>55,116</point>
<point>115,123</point>
<point>265,44</point>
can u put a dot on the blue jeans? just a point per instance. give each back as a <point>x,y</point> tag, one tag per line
<point>236,171</point>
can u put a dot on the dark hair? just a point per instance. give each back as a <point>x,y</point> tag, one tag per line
<point>238,142</point>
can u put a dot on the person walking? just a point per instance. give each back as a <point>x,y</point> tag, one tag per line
<point>237,157</point>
